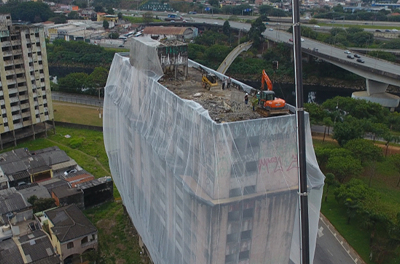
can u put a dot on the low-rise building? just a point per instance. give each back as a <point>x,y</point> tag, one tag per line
<point>97,191</point>
<point>72,234</point>
<point>13,207</point>
<point>65,195</point>
<point>36,248</point>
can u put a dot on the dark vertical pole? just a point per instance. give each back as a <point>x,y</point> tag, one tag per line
<point>305,251</point>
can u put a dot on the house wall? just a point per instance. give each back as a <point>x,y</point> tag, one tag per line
<point>78,247</point>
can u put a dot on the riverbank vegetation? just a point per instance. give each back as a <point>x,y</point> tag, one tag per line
<point>362,179</point>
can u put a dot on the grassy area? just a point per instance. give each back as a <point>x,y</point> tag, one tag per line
<point>76,113</point>
<point>118,239</point>
<point>384,181</point>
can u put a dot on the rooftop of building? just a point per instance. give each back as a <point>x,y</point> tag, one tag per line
<point>78,177</point>
<point>226,105</point>
<point>95,182</point>
<point>11,200</point>
<point>36,246</point>
<point>9,252</point>
<point>53,183</point>
<point>65,191</point>
<point>35,189</point>
<point>166,30</point>
<point>70,223</point>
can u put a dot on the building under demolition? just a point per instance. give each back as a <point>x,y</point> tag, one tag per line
<point>197,190</point>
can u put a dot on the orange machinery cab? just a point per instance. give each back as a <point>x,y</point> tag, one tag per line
<point>270,101</point>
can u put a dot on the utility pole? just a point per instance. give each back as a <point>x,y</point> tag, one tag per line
<point>301,146</point>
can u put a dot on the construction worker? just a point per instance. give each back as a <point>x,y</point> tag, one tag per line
<point>246,98</point>
<point>258,97</point>
<point>223,84</point>
<point>229,83</point>
<point>254,103</point>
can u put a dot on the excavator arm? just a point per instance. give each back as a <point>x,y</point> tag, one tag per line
<point>265,79</point>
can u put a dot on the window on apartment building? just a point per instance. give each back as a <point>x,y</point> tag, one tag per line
<point>37,34</point>
<point>245,235</point>
<point>40,63</point>
<point>251,167</point>
<point>37,44</point>
<point>39,53</point>
<point>70,245</point>
<point>235,192</point>
<point>234,237</point>
<point>84,240</point>
<point>11,86</point>
<point>3,39</point>
<point>10,77</point>
<point>27,36</point>
<point>42,80</point>
<point>244,255</point>
<point>8,68</point>
<point>248,213</point>
<point>26,118</point>
<point>249,189</point>
<point>231,258</point>
<point>234,216</point>
<point>5,48</point>
<point>16,121</point>
<point>20,75</point>
<point>31,64</point>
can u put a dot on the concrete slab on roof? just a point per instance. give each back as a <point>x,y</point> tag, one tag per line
<point>93,183</point>
<point>64,165</point>
<point>54,157</point>
<point>13,167</point>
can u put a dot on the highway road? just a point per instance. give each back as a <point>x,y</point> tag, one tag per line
<point>323,49</point>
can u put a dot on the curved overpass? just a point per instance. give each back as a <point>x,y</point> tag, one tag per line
<point>378,73</point>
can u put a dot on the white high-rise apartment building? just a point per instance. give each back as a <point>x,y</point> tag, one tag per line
<point>25,95</point>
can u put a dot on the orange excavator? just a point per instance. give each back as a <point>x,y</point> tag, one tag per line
<point>269,103</point>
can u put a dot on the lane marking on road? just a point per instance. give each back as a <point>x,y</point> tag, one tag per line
<point>329,252</point>
<point>320,234</point>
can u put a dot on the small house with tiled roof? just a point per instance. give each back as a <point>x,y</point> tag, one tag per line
<point>72,234</point>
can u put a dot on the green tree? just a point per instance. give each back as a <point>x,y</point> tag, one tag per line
<point>28,11</point>
<point>226,28</point>
<point>97,80</point>
<point>106,25</point>
<point>73,15</point>
<point>383,55</point>
<point>255,32</point>
<point>356,196</point>
<point>316,112</point>
<point>338,8</point>
<point>364,150</point>
<point>350,129</point>
<point>344,167</point>
<point>389,137</point>
<point>113,35</point>
<point>327,121</point>
<point>41,204</point>
<point>119,15</point>
<point>74,82</point>
<point>329,181</point>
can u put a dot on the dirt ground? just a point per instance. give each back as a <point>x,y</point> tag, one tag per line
<point>223,105</point>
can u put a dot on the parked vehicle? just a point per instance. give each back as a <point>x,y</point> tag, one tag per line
<point>70,171</point>
<point>173,17</point>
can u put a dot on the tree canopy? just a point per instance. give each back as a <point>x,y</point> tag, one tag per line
<point>33,12</point>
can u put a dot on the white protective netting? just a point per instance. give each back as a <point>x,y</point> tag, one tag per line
<point>198,191</point>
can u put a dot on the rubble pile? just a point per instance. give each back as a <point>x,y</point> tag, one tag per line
<point>219,103</point>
